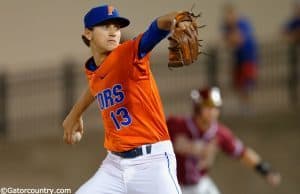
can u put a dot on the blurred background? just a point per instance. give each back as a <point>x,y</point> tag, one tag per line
<point>41,76</point>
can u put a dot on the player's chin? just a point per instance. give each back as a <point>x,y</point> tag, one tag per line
<point>111,46</point>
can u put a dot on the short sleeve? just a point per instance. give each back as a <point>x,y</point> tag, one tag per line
<point>228,143</point>
<point>140,68</point>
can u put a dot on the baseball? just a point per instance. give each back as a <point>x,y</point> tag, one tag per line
<point>76,137</point>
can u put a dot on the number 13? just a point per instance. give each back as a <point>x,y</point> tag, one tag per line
<point>123,113</point>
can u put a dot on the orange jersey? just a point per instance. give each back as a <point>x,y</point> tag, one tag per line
<point>128,98</point>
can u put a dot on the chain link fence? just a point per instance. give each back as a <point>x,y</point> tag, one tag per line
<point>34,103</point>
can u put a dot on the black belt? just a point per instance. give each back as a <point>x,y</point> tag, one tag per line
<point>134,152</point>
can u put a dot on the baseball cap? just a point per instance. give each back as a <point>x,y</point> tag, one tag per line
<point>104,13</point>
<point>207,97</point>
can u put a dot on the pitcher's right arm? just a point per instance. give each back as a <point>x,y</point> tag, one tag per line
<point>73,121</point>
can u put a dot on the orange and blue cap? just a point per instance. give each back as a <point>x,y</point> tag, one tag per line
<point>105,13</point>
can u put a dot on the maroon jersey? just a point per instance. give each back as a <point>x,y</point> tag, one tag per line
<point>187,171</point>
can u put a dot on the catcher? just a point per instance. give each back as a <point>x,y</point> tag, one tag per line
<point>140,157</point>
<point>196,140</point>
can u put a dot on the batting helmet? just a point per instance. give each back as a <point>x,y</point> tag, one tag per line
<point>207,97</point>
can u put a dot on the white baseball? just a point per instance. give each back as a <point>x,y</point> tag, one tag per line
<point>76,137</point>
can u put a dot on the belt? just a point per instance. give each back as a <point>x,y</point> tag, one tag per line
<point>134,152</point>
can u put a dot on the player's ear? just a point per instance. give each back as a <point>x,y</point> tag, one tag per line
<point>86,37</point>
<point>87,34</point>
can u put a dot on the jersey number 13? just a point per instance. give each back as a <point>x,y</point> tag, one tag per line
<point>120,118</point>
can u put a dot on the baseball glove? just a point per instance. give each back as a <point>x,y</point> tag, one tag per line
<point>183,41</point>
